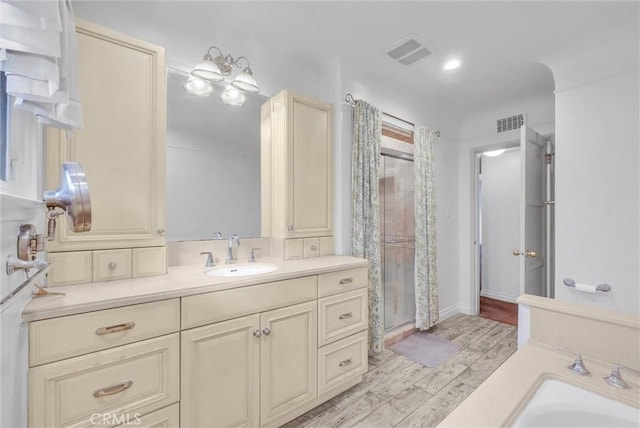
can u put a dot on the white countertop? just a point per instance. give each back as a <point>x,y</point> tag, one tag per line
<point>178,282</point>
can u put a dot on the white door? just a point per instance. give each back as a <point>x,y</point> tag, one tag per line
<point>532,210</point>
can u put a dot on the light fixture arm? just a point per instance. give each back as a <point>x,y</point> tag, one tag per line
<point>237,64</point>
<point>208,56</point>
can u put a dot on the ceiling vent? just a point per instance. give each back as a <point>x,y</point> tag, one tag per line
<point>510,123</point>
<point>409,50</point>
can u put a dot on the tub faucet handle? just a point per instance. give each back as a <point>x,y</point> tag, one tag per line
<point>578,365</point>
<point>615,379</point>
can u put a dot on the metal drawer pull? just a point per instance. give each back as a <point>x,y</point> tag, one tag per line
<point>346,362</point>
<point>346,281</point>
<point>113,266</point>
<point>110,390</point>
<point>345,316</point>
<point>115,328</point>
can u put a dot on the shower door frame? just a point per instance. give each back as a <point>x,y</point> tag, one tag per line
<point>405,156</point>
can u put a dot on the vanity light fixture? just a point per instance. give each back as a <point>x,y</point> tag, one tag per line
<point>452,64</point>
<point>216,69</point>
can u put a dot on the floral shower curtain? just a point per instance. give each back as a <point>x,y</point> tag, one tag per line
<point>426,258</point>
<point>365,217</point>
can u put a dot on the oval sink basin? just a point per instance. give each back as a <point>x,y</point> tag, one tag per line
<point>242,270</point>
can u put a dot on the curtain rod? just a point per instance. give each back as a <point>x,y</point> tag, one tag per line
<point>352,101</point>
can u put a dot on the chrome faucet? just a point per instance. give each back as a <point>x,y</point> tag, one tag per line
<point>252,255</point>
<point>578,365</point>
<point>614,379</point>
<point>209,262</point>
<point>233,241</point>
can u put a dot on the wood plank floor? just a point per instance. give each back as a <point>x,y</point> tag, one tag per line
<point>498,310</point>
<point>398,392</point>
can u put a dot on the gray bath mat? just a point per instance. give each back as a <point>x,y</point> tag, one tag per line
<point>426,349</point>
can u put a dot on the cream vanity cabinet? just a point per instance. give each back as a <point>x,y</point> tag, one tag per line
<point>257,362</point>
<point>106,368</point>
<point>122,151</point>
<point>252,356</point>
<point>297,185</point>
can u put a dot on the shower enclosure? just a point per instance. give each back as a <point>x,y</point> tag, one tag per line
<point>397,239</point>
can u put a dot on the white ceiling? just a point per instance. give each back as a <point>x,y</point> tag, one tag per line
<point>502,43</point>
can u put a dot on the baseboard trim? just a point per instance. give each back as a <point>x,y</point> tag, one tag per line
<point>499,296</point>
<point>449,312</point>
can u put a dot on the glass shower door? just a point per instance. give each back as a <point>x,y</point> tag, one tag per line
<point>397,240</point>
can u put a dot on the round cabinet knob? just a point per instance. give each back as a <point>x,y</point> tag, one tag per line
<point>516,252</point>
<point>266,331</point>
<point>257,333</point>
<point>313,248</point>
<point>531,253</point>
<point>290,228</point>
<point>113,266</point>
<point>160,231</point>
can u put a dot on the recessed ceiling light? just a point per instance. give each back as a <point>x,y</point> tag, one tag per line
<point>452,64</point>
<point>494,153</point>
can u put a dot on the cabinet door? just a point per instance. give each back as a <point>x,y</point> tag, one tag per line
<point>289,359</point>
<point>122,145</point>
<point>309,193</point>
<point>220,381</point>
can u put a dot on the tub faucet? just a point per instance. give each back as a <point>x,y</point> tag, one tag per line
<point>578,365</point>
<point>614,379</point>
<point>233,241</point>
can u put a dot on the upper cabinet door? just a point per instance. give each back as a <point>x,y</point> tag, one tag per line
<point>122,145</point>
<point>309,193</point>
<point>297,159</point>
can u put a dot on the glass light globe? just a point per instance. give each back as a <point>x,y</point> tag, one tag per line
<point>199,87</point>
<point>207,70</point>
<point>233,97</point>
<point>246,82</point>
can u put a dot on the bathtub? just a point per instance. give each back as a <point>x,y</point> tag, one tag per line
<point>559,404</point>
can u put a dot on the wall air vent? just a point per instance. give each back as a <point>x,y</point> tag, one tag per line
<point>409,50</point>
<point>510,123</point>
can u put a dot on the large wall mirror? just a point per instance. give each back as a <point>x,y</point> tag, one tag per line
<point>213,164</point>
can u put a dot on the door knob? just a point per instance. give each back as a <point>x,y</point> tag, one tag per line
<point>531,253</point>
<point>516,253</point>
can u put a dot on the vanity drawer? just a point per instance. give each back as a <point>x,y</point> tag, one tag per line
<point>149,261</point>
<point>64,337</point>
<point>110,265</point>
<point>342,361</point>
<point>122,382</point>
<point>344,280</point>
<point>341,315</point>
<point>169,417</point>
<point>222,305</point>
<point>70,268</point>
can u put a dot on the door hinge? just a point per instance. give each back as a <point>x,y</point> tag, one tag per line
<point>548,157</point>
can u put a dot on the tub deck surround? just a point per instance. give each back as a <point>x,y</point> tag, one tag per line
<point>516,381</point>
<point>604,337</point>
<point>180,281</point>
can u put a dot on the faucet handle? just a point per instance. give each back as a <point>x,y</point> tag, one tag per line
<point>252,255</point>
<point>615,379</point>
<point>209,262</point>
<point>578,365</point>
<point>217,235</point>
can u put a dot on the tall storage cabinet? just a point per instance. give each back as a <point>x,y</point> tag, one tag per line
<point>297,159</point>
<point>122,151</point>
